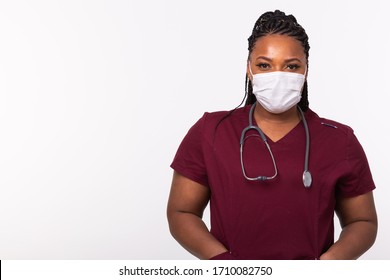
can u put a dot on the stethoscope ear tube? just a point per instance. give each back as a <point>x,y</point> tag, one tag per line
<point>242,142</point>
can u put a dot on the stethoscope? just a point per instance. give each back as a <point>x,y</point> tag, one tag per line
<point>306,177</point>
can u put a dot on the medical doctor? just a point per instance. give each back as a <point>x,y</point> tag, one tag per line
<point>273,171</point>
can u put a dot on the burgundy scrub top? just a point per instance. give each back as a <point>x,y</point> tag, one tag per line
<point>278,218</point>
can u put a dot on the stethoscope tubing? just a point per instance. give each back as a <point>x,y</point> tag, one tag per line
<point>306,177</point>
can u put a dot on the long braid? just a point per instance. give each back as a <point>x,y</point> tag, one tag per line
<point>277,23</point>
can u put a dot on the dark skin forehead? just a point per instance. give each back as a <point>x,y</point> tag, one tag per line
<point>276,46</point>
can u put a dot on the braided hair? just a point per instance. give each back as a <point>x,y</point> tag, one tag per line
<point>277,22</point>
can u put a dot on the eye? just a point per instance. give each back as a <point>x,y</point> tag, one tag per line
<point>293,66</point>
<point>263,65</point>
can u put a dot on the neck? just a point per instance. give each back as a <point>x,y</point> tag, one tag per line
<point>262,115</point>
<point>276,126</point>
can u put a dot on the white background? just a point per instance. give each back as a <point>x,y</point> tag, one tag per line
<point>96,95</point>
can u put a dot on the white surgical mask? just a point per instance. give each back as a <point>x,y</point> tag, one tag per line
<point>277,91</point>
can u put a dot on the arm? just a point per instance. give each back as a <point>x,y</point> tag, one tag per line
<point>187,201</point>
<point>358,220</point>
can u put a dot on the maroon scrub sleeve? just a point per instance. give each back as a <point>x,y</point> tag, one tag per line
<point>189,159</point>
<point>358,179</point>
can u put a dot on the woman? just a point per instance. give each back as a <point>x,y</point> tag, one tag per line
<point>274,171</point>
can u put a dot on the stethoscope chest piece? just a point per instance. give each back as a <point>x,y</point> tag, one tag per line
<point>307,179</point>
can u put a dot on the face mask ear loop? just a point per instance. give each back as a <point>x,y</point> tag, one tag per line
<point>250,68</point>
<point>304,75</point>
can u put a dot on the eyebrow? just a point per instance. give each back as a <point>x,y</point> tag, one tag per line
<point>287,60</point>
